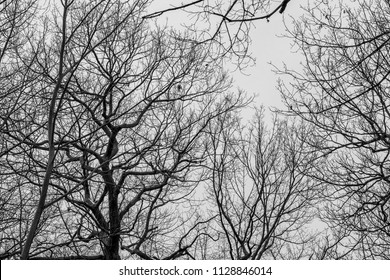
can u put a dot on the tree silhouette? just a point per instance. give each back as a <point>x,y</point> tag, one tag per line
<point>343,91</point>
<point>105,124</point>
<point>259,187</point>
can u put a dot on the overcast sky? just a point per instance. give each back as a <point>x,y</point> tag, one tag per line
<point>267,46</point>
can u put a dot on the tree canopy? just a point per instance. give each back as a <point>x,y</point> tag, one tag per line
<point>122,136</point>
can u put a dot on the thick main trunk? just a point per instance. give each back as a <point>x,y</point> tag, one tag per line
<point>111,250</point>
<point>114,239</point>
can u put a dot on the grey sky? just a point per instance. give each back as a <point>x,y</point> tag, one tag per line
<point>267,46</point>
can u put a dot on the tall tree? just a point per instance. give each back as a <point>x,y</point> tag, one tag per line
<point>103,119</point>
<point>261,194</point>
<point>124,105</point>
<point>15,78</point>
<point>344,91</point>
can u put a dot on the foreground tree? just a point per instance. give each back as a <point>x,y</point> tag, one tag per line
<point>104,121</point>
<point>127,106</point>
<point>344,92</point>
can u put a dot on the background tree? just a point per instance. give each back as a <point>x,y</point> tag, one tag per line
<point>262,196</point>
<point>344,91</point>
<point>15,79</point>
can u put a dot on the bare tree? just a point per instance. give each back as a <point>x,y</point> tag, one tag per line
<point>124,105</point>
<point>104,117</point>
<point>262,196</point>
<point>15,79</point>
<point>343,91</point>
